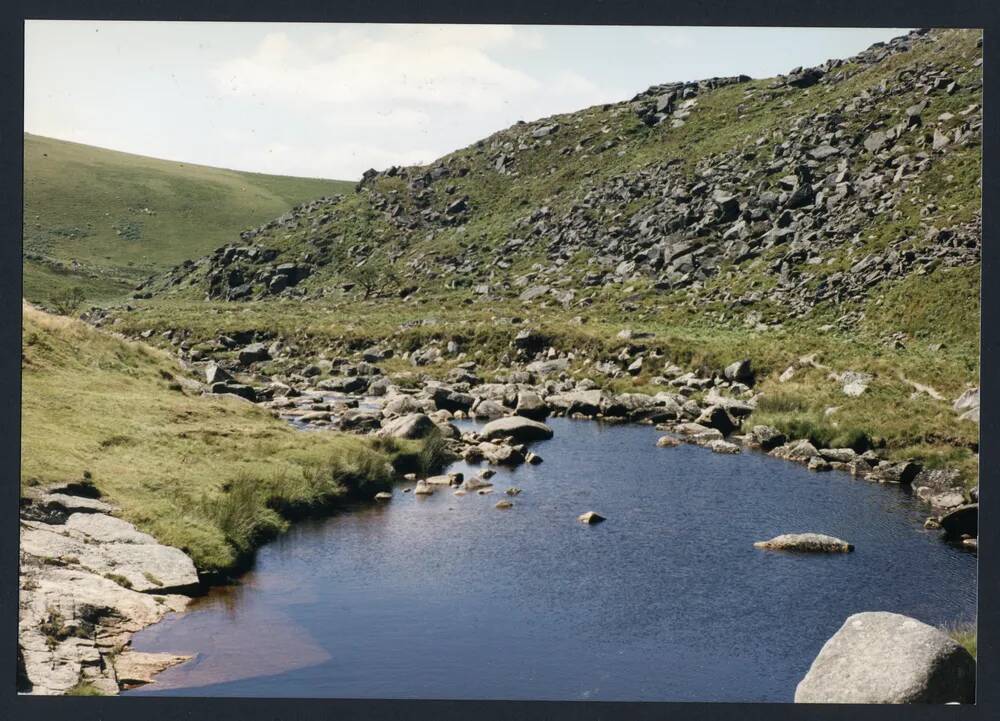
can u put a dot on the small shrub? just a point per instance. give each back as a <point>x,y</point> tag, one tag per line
<point>68,301</point>
<point>433,455</point>
<point>84,688</point>
<point>243,514</point>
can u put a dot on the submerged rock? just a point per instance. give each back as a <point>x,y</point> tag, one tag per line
<point>880,657</point>
<point>806,542</point>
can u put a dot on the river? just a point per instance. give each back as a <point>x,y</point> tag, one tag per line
<point>448,597</point>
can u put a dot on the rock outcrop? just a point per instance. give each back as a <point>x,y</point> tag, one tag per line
<point>88,581</point>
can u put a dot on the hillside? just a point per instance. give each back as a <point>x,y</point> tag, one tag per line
<point>102,220</point>
<point>209,475</point>
<point>819,223</point>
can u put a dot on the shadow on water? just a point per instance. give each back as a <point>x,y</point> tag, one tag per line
<point>449,597</point>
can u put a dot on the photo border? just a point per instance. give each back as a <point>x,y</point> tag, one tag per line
<point>853,13</point>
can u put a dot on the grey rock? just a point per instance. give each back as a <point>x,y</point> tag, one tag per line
<point>806,542</point>
<point>516,427</point>
<point>412,426</point>
<point>879,657</point>
<point>253,353</point>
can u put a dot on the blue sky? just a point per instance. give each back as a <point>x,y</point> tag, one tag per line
<point>331,100</point>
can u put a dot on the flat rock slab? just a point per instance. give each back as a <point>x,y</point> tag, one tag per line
<point>880,657</point>
<point>806,542</point>
<point>148,566</point>
<point>74,504</point>
<point>135,668</point>
<point>517,427</point>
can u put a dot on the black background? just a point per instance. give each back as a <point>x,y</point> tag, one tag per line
<point>856,13</point>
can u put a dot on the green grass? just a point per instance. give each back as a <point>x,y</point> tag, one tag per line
<point>966,635</point>
<point>84,689</point>
<point>210,475</point>
<point>86,221</point>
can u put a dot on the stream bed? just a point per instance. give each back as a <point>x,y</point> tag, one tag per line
<point>447,597</point>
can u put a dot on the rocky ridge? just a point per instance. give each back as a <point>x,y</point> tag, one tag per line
<point>794,205</point>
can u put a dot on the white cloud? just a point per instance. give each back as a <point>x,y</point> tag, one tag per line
<point>389,88</point>
<point>439,66</point>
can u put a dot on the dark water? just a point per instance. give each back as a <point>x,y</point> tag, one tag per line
<point>449,597</point>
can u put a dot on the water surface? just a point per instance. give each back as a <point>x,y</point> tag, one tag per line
<point>449,597</point>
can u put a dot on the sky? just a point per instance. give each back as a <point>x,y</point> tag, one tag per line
<point>332,100</point>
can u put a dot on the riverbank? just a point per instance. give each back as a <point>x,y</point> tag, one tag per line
<point>804,397</point>
<point>130,477</point>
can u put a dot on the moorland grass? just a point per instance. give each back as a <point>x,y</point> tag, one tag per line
<point>210,475</point>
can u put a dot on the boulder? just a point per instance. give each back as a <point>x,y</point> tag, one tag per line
<point>806,542</point>
<point>717,417</point>
<point>475,483</point>
<point>531,405</point>
<point>853,383</point>
<point>500,454</point>
<point>880,657</point>
<point>590,518</point>
<point>383,496</point>
<point>765,437</point>
<point>344,384</point>
<point>413,426</point>
<point>215,374</point>
<point>721,446</point>
<point>253,353</point>
<point>588,403</point>
<point>801,450</point>
<point>667,442</point>
<point>67,504</point>
<point>236,389</point>
<point>739,371</point>
<point>518,428</point>
<point>489,409</point>
<point>423,489</point>
<point>964,520</point>
<point>504,504</point>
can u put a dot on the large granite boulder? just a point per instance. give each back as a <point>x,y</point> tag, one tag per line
<point>880,657</point>
<point>518,428</point>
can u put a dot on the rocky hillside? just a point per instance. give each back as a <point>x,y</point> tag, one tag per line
<point>757,199</point>
<point>822,226</point>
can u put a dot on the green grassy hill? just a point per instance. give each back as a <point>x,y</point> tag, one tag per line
<point>101,220</point>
